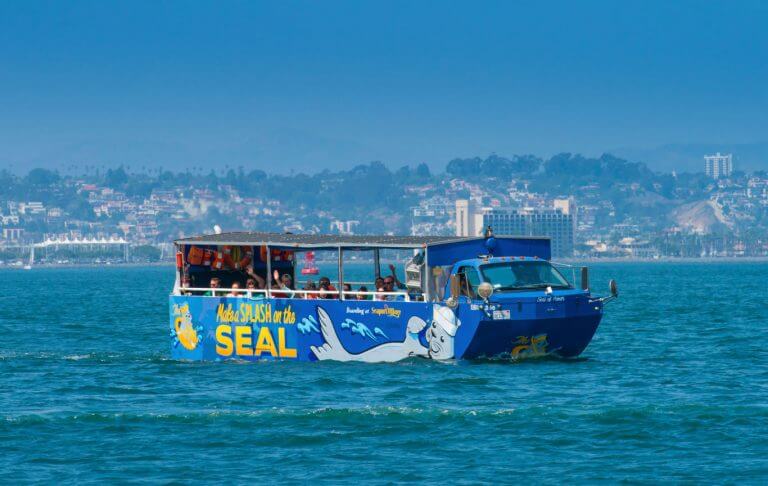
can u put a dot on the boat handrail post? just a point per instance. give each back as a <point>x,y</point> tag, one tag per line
<point>179,276</point>
<point>427,275</point>
<point>341,273</point>
<point>269,271</point>
<point>376,263</point>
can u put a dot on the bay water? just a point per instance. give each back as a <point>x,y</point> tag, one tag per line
<point>674,387</point>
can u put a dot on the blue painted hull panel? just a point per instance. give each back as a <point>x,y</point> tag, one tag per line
<point>565,337</point>
<point>220,328</point>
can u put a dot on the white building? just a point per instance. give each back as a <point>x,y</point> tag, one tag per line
<point>717,166</point>
<point>558,223</point>
<point>344,227</point>
<point>469,219</point>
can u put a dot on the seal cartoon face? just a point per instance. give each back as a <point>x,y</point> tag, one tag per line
<point>185,331</point>
<point>441,332</point>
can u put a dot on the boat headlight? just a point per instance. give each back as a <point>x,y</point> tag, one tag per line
<point>485,290</point>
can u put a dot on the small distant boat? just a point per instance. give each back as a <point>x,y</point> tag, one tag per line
<point>28,266</point>
<point>309,264</point>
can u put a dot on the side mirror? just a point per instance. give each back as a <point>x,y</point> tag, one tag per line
<point>485,290</point>
<point>614,288</point>
<point>453,300</point>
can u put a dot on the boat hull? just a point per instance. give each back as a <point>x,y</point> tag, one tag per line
<point>222,328</point>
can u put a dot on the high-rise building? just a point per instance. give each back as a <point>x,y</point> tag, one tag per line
<point>717,166</point>
<point>469,220</point>
<point>558,223</point>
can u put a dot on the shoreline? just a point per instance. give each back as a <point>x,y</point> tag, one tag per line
<point>570,261</point>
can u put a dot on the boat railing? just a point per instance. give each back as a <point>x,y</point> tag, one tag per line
<point>405,295</point>
<point>223,292</point>
<point>289,293</point>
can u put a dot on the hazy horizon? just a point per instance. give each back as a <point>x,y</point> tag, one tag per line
<point>305,86</point>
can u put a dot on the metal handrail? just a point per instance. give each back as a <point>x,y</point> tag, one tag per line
<point>406,295</point>
<point>248,293</point>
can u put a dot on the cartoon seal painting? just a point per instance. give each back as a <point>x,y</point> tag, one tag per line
<point>441,332</point>
<point>439,335</point>
<point>185,331</point>
<point>387,352</point>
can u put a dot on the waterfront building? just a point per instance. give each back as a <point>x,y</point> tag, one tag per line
<point>557,222</point>
<point>469,220</point>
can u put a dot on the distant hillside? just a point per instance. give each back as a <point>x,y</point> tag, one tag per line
<point>690,157</point>
<point>705,217</point>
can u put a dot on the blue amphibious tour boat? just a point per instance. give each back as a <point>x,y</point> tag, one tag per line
<point>463,298</point>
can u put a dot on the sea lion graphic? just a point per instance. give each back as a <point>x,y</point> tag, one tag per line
<point>185,331</point>
<point>441,332</point>
<point>383,353</point>
<point>440,337</point>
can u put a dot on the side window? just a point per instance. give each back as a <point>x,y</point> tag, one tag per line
<point>469,281</point>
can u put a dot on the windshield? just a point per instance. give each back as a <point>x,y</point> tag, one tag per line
<point>523,275</point>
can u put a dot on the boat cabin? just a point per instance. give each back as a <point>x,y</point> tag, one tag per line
<point>272,263</point>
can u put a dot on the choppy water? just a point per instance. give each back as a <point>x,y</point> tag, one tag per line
<point>673,387</point>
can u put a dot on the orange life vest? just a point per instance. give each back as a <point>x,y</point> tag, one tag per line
<point>195,255</point>
<point>223,258</point>
<point>246,254</point>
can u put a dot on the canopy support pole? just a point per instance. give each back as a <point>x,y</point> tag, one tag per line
<point>376,264</point>
<point>341,274</point>
<point>427,276</point>
<point>269,271</point>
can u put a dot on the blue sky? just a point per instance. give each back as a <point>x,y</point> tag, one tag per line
<point>309,85</point>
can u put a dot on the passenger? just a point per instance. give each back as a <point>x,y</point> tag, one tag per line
<point>378,286</point>
<point>310,285</point>
<point>282,283</point>
<point>235,292</point>
<point>261,283</point>
<point>286,281</point>
<point>362,295</point>
<point>252,285</point>
<point>185,284</point>
<point>215,284</point>
<point>400,285</point>
<point>389,286</point>
<point>347,290</point>
<point>327,291</point>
